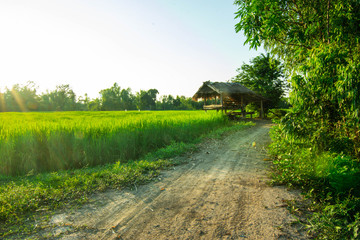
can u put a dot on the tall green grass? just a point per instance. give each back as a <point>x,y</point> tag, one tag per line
<point>45,142</point>
<point>330,179</point>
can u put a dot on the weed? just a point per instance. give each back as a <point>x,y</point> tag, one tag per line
<point>330,179</point>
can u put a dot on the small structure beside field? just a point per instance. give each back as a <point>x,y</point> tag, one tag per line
<point>228,96</point>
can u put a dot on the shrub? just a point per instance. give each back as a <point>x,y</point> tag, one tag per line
<point>329,177</point>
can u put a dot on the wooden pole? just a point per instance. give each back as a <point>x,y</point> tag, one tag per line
<point>242,106</point>
<point>205,104</point>
<point>222,103</point>
<point>215,103</point>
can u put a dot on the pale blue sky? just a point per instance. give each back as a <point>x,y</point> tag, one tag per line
<point>169,45</point>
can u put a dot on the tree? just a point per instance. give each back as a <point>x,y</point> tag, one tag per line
<point>82,103</point>
<point>152,98</point>
<point>94,105</point>
<point>127,99</point>
<point>45,102</point>
<point>62,98</point>
<point>110,98</point>
<point>20,98</point>
<point>115,98</point>
<point>166,102</point>
<point>319,42</point>
<point>146,100</point>
<point>265,76</point>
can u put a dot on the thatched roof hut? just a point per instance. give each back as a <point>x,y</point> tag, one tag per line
<point>230,95</point>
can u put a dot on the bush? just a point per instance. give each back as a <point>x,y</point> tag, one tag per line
<point>331,178</point>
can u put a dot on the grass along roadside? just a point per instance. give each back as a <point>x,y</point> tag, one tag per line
<point>24,199</point>
<point>329,180</point>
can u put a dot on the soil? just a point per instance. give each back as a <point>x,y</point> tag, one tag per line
<point>221,193</point>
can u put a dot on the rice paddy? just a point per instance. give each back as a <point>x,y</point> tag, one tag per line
<point>44,142</point>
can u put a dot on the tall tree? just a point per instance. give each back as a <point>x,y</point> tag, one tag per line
<point>110,98</point>
<point>127,99</point>
<point>146,100</point>
<point>265,76</point>
<point>94,105</point>
<point>319,42</point>
<point>166,102</point>
<point>62,98</point>
<point>82,103</point>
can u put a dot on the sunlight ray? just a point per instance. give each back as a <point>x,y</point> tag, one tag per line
<point>2,103</point>
<point>19,101</point>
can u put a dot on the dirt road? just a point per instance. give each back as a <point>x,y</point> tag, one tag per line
<point>220,194</point>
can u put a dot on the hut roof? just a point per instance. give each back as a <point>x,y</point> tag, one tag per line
<point>227,89</point>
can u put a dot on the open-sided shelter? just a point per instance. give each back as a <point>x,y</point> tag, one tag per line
<point>228,96</point>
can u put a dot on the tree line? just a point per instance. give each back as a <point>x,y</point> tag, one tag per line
<point>22,98</point>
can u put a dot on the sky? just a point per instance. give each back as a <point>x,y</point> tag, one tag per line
<point>170,45</point>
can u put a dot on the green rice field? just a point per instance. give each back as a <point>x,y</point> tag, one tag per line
<point>44,142</point>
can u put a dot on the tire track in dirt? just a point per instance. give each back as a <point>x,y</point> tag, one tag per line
<point>220,194</point>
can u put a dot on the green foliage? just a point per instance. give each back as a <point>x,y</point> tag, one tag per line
<point>168,102</point>
<point>304,166</point>
<point>319,43</point>
<point>292,29</point>
<point>344,175</point>
<point>115,98</point>
<point>265,76</point>
<point>328,98</point>
<point>337,220</point>
<point>146,100</point>
<point>332,179</point>
<point>277,113</point>
<point>19,98</point>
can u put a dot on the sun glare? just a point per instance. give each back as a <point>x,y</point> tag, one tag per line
<point>19,101</point>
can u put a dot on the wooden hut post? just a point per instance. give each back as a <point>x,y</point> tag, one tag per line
<point>262,110</point>
<point>217,109</point>
<point>242,106</point>
<point>222,102</point>
<point>205,104</point>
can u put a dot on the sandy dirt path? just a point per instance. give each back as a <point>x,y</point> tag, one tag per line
<point>222,193</point>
